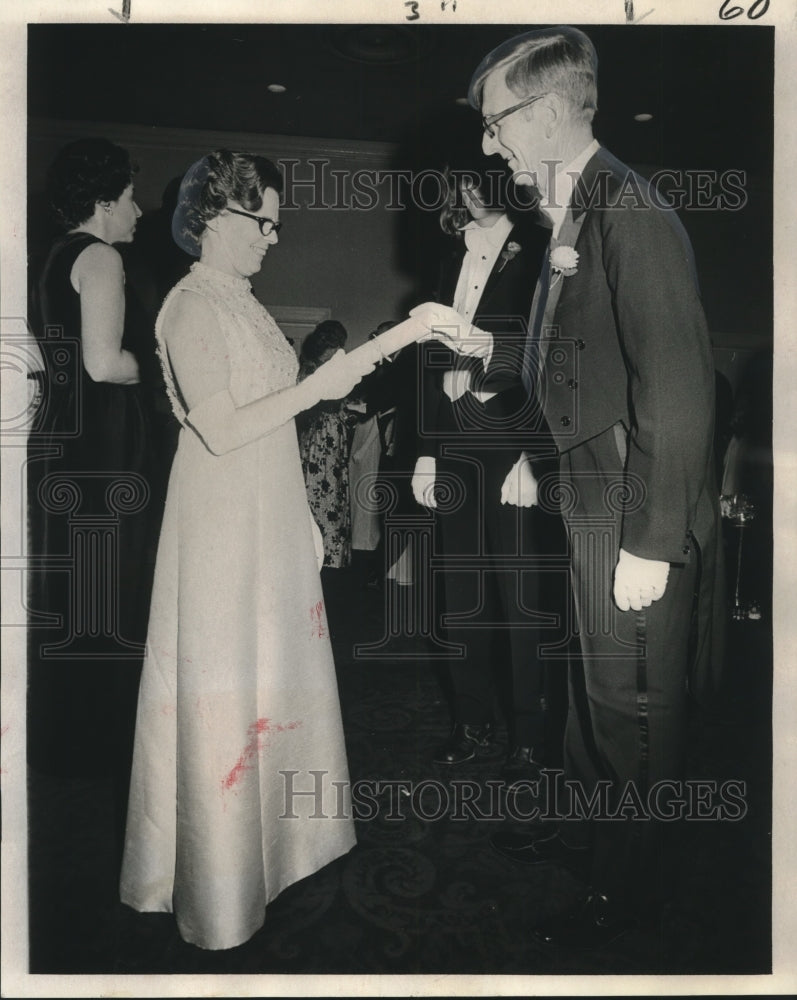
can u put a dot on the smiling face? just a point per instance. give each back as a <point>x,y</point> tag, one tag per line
<point>521,137</point>
<point>123,217</point>
<point>234,244</point>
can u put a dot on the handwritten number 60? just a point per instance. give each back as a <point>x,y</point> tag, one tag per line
<point>758,9</point>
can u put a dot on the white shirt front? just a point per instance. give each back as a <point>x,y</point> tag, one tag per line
<point>483,245</point>
<point>557,200</point>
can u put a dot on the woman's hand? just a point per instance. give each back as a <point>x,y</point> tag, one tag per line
<point>337,377</point>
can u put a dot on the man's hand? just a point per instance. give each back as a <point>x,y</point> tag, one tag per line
<point>520,486</point>
<point>638,582</point>
<point>423,481</point>
<point>454,330</point>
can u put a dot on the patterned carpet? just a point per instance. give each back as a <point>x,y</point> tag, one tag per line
<point>423,895</point>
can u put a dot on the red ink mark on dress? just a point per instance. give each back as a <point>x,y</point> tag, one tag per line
<point>318,621</point>
<point>258,734</point>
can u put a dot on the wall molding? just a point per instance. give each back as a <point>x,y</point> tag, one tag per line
<point>375,154</point>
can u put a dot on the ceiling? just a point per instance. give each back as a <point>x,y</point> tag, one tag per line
<point>709,90</point>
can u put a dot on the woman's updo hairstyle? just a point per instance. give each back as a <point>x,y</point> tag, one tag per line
<point>229,176</point>
<point>84,172</point>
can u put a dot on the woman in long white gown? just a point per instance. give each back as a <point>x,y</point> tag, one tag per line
<point>238,713</point>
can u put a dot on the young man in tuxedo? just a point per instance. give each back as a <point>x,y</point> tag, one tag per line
<point>470,448</point>
<point>619,354</point>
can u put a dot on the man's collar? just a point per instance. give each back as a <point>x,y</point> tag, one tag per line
<point>494,236</point>
<point>566,180</point>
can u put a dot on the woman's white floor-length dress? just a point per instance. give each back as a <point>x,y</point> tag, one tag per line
<point>240,779</point>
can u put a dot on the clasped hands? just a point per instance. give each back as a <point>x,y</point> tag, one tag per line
<point>448,326</point>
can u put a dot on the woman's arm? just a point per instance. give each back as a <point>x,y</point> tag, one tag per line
<point>198,356</point>
<point>98,277</point>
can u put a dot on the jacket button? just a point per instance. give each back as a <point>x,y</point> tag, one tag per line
<point>572,383</point>
<point>580,345</point>
<point>565,421</point>
<point>685,550</point>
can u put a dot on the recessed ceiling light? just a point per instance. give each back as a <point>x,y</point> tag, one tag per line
<point>644,117</point>
<point>276,88</point>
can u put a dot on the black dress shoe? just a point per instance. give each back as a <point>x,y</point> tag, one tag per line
<point>523,763</point>
<point>467,742</point>
<point>593,922</point>
<point>545,846</point>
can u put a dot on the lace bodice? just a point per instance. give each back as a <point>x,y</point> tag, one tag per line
<point>260,358</point>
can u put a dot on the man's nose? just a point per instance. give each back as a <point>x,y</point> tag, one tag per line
<point>489,143</point>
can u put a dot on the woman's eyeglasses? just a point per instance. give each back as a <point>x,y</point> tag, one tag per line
<point>267,226</point>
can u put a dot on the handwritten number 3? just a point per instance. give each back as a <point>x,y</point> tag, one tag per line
<point>415,15</point>
<point>758,9</point>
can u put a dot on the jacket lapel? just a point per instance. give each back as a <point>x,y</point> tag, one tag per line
<point>500,264</point>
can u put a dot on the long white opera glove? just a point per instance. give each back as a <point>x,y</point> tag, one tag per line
<point>520,486</point>
<point>454,330</point>
<point>423,481</point>
<point>638,582</point>
<point>224,427</point>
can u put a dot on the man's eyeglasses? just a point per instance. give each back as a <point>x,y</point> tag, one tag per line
<point>489,120</point>
<point>267,226</point>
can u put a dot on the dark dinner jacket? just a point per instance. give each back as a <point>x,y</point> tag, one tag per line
<point>503,310</point>
<point>626,344</point>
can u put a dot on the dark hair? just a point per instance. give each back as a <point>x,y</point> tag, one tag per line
<point>329,333</point>
<point>487,174</point>
<point>84,172</point>
<point>231,176</point>
<point>383,327</point>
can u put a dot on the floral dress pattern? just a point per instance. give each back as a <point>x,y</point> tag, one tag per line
<point>324,450</point>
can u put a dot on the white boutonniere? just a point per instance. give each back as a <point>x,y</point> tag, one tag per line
<point>512,250</point>
<point>564,262</point>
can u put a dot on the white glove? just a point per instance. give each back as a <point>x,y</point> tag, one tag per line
<point>638,582</point>
<point>520,486</point>
<point>223,426</point>
<point>423,481</point>
<point>454,330</point>
<point>338,376</point>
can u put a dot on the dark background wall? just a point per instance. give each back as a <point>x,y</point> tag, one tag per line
<point>380,98</point>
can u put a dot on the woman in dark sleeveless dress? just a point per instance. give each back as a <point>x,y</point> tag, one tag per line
<point>88,489</point>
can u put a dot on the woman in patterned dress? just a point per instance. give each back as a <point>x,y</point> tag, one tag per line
<point>324,448</point>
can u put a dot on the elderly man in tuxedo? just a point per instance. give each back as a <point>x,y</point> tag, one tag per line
<point>619,354</point>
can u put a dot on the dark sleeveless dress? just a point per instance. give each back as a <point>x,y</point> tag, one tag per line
<point>89,544</point>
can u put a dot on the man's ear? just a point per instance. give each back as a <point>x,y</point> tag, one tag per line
<point>552,111</point>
